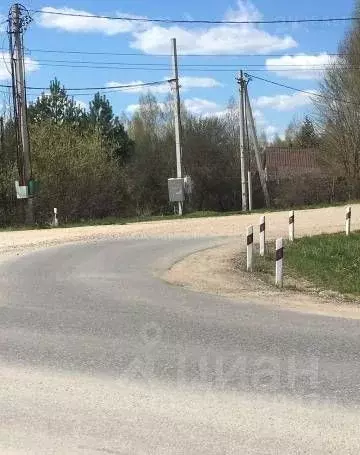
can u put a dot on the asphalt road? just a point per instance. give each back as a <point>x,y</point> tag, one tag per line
<point>98,355</point>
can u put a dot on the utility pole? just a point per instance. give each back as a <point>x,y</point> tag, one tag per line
<point>177,116</point>
<point>242,82</point>
<point>18,23</point>
<point>257,150</point>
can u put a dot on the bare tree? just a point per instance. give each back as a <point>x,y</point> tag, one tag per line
<point>339,111</point>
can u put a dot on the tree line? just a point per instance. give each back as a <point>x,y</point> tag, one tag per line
<point>92,164</point>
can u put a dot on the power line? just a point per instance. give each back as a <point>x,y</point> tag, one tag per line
<point>137,54</point>
<point>199,70</point>
<point>112,88</point>
<point>251,76</point>
<point>184,65</point>
<point>201,21</point>
<point>95,63</point>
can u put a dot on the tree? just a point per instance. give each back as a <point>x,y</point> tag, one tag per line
<point>109,128</point>
<point>307,137</point>
<point>338,110</point>
<point>153,161</point>
<point>57,107</point>
<point>75,174</point>
<point>292,132</point>
<point>212,160</point>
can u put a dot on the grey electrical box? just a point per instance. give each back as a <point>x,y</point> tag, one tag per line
<point>176,190</point>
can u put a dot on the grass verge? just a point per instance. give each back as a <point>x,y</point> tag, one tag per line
<point>328,261</point>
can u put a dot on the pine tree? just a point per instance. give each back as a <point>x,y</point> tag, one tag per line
<point>307,137</point>
<point>108,126</point>
<point>56,106</point>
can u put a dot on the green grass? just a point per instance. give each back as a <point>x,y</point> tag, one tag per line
<point>329,261</point>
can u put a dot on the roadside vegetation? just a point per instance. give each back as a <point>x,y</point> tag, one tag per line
<point>328,261</point>
<point>93,164</point>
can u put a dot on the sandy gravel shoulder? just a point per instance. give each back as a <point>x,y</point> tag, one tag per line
<point>213,271</point>
<point>308,222</point>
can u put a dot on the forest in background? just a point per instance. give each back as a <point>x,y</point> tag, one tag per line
<point>92,164</point>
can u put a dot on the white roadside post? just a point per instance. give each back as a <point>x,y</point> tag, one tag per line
<point>249,248</point>
<point>279,262</point>
<point>56,221</point>
<point>262,236</point>
<point>291,225</point>
<point>348,220</point>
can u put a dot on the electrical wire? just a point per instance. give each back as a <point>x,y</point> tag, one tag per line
<point>201,21</point>
<point>251,76</point>
<point>185,65</point>
<point>112,88</point>
<point>184,70</point>
<point>137,54</point>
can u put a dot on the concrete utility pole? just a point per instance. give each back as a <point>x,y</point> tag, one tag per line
<point>17,24</point>
<point>177,117</point>
<point>242,82</point>
<point>257,150</point>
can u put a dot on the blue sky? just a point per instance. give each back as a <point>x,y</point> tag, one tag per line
<point>205,89</point>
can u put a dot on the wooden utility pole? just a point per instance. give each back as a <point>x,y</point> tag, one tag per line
<point>242,83</point>
<point>177,116</point>
<point>17,25</point>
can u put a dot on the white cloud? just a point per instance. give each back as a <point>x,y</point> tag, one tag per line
<point>150,37</point>
<point>30,66</point>
<point>82,105</point>
<point>132,108</point>
<point>196,106</point>
<point>224,39</point>
<point>202,107</point>
<point>271,131</point>
<point>301,66</point>
<point>86,24</point>
<point>284,102</point>
<point>186,83</point>
<point>259,117</point>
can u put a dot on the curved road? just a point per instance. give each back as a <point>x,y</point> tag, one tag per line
<point>98,355</point>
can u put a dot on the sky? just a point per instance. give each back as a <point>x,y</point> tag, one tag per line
<point>295,53</point>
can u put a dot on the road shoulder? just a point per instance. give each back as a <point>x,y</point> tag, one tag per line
<point>214,271</point>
